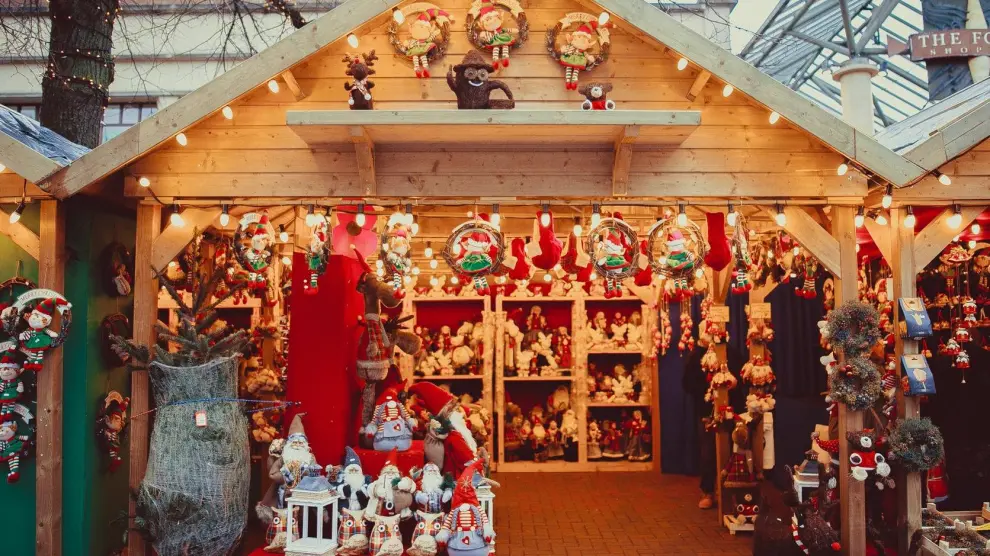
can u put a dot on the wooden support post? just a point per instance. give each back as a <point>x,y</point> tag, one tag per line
<point>20,235</point>
<point>149,225</point>
<point>293,85</point>
<point>904,270</point>
<point>364,149</point>
<point>852,493</point>
<point>623,160</point>
<point>51,275</point>
<point>698,85</point>
<point>936,235</point>
<point>881,237</point>
<point>815,239</point>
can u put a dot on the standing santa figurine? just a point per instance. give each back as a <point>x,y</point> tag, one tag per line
<point>296,459</point>
<point>391,494</point>
<point>38,338</point>
<point>466,530</point>
<point>352,536</point>
<point>459,447</point>
<point>433,493</point>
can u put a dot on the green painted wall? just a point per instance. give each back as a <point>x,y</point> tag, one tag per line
<point>17,526</point>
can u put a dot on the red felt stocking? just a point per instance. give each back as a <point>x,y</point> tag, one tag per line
<point>645,276</point>
<point>547,255</point>
<point>720,254</point>
<point>519,269</point>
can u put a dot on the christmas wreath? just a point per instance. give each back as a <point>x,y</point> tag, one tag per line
<point>856,384</point>
<point>853,328</point>
<point>917,444</point>
<point>486,31</point>
<point>429,35</point>
<point>677,253</point>
<point>614,250</point>
<point>475,249</point>
<point>583,49</point>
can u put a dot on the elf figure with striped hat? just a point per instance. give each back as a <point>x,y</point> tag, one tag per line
<point>423,31</point>
<point>12,447</point>
<point>11,385</point>
<point>258,256</point>
<point>38,338</point>
<point>494,35</point>
<point>576,54</point>
<point>475,254</point>
<point>466,530</point>
<point>613,259</point>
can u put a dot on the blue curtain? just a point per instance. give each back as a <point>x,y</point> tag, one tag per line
<point>678,418</point>
<point>795,348</point>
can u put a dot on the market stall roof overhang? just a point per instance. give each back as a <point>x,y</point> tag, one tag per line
<point>355,15</point>
<point>31,152</point>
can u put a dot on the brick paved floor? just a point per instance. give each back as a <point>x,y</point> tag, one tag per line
<point>607,514</point>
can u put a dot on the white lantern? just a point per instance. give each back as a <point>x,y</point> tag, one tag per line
<point>315,493</point>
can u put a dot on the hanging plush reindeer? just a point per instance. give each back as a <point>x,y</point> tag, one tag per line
<point>360,89</point>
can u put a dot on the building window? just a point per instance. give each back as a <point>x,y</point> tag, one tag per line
<point>30,110</point>
<point>119,117</point>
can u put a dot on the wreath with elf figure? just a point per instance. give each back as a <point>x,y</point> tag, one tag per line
<point>742,258</point>
<point>614,249</point>
<point>394,254</point>
<point>579,42</point>
<point>475,249</point>
<point>318,250</point>
<point>489,27</point>
<point>254,243</point>
<point>426,38</point>
<point>28,321</point>
<point>677,253</point>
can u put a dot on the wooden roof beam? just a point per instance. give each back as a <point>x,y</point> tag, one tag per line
<point>293,85</point>
<point>25,161</point>
<point>623,160</point>
<point>937,234</point>
<point>881,237</point>
<point>20,235</point>
<point>812,237</point>
<point>364,149</point>
<point>174,239</point>
<point>698,85</point>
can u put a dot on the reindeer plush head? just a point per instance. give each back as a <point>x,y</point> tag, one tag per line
<point>359,69</point>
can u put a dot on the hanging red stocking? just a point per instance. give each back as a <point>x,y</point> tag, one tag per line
<point>720,254</point>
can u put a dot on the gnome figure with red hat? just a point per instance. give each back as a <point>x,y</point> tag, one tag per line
<point>11,384</point>
<point>466,530</point>
<point>391,426</point>
<point>459,446</point>
<point>38,338</point>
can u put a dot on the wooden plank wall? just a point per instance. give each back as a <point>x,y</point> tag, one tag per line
<point>735,143</point>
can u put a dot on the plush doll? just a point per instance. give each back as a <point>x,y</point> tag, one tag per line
<point>38,338</point>
<point>470,83</point>
<point>466,530</point>
<point>555,448</point>
<point>433,493</point>
<point>594,441</point>
<point>563,347</point>
<point>424,537</point>
<point>866,462</point>
<point>359,92</point>
<point>545,249</point>
<point>386,539</point>
<point>262,430</point>
<point>719,253</point>
<point>276,536</point>
<point>618,330</point>
<point>569,427</point>
<point>487,30</point>
<point>637,430</point>
<point>458,445</point>
<point>613,441</point>
<point>576,54</point>
<point>746,510</point>
<point>614,257</point>
<point>11,384</point>
<point>112,423</point>
<point>391,495</point>
<point>622,385</point>
<point>352,534</point>
<point>538,438</point>
<point>596,96</point>
<point>536,320</point>
<point>739,469</point>
<point>12,448</point>
<point>427,34</point>
<point>295,459</point>
<point>391,426</point>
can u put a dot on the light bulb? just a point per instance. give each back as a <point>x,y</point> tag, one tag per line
<point>495,219</point>
<point>857,248</point>
<point>843,168</point>
<point>681,216</point>
<point>593,276</point>
<point>975,228</point>
<point>888,197</point>
<point>273,86</point>
<point>943,178</point>
<point>727,90</point>
<point>596,219</point>
<point>352,40</point>
<point>428,252</point>
<point>283,235</point>
<point>955,239</point>
<point>398,16</point>
<point>545,217</point>
<point>860,217</point>
<point>15,216</point>
<point>181,139</point>
<point>172,264</point>
<point>454,280</point>
<point>143,181</point>
<point>224,217</point>
<point>881,219</point>
<point>407,280</point>
<point>434,282</point>
<point>546,278</point>
<point>733,216</point>
<point>796,251</point>
<point>433,264</point>
<point>470,214</point>
<point>379,264</point>
<point>603,18</point>
<point>682,64</point>
<point>360,219</point>
<point>501,279</point>
<point>577,230</point>
<point>228,112</point>
<point>769,255</point>
<point>286,261</point>
<point>972,244</point>
<point>774,118</point>
<point>2,167</point>
<point>700,273</point>
<point>955,220</point>
<point>176,218</point>
<point>415,271</point>
<point>380,272</point>
<point>780,217</point>
<point>414,228</point>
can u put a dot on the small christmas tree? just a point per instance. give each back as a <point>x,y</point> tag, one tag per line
<point>198,342</point>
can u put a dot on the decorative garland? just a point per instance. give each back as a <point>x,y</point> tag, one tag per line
<point>475,249</point>
<point>853,328</point>
<point>917,444</point>
<point>432,25</point>
<point>856,384</point>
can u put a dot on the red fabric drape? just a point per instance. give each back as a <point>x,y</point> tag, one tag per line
<point>322,346</point>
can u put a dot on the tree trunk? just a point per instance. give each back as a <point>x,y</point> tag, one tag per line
<point>75,88</point>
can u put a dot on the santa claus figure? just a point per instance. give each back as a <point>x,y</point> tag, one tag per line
<point>459,447</point>
<point>12,447</point>
<point>258,256</point>
<point>296,459</point>
<point>11,385</point>
<point>38,339</point>
<point>391,494</point>
<point>391,426</point>
<point>354,483</point>
<point>466,530</point>
<point>112,425</point>
<point>433,494</point>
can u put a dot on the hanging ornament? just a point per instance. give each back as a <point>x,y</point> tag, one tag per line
<point>575,260</point>
<point>253,244</point>
<point>15,439</point>
<point>12,385</point>
<point>961,335</point>
<point>428,36</point>
<point>665,330</point>
<point>28,320</point>
<point>317,252</point>
<point>757,373</point>
<point>517,262</point>
<point>809,269</point>
<point>709,361</point>
<point>116,324</point>
<point>720,251</point>
<point>676,253</point>
<point>969,309</point>
<point>394,254</point>
<point>686,342</point>
<point>118,264</point>
<point>954,255</point>
<point>614,250</point>
<point>489,27</point>
<point>476,249</point>
<point>582,49</point>
<point>359,92</point>
<point>544,250</point>
<point>742,259</point>
<point>111,425</point>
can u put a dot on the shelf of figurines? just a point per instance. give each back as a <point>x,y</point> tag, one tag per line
<point>950,533</point>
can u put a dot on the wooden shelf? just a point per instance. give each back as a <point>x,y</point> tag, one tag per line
<point>448,299</point>
<point>734,527</point>
<point>451,377</point>
<point>562,378</point>
<point>609,404</point>
<point>538,298</point>
<point>518,128</point>
<point>623,298</point>
<point>574,466</point>
<point>615,351</point>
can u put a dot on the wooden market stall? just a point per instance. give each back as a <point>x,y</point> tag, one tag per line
<point>701,133</point>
